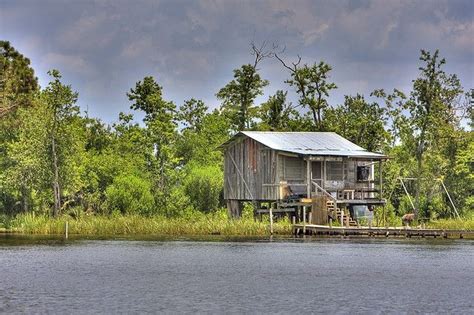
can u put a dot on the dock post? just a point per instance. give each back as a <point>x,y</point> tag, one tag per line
<point>330,222</point>
<point>342,217</point>
<point>304,220</point>
<point>66,228</point>
<point>271,219</point>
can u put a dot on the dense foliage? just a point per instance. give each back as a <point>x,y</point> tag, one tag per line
<point>55,160</point>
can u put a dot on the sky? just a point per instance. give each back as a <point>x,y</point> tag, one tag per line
<point>102,48</point>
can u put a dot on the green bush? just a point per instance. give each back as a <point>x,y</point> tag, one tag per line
<point>203,185</point>
<point>130,194</point>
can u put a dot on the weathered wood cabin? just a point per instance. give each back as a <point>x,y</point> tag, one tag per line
<point>284,168</point>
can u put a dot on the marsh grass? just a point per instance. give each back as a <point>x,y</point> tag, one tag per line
<point>190,224</point>
<point>452,224</point>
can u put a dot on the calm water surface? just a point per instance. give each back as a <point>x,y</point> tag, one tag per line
<point>284,276</point>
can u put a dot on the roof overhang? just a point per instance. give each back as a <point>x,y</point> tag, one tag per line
<point>348,149</point>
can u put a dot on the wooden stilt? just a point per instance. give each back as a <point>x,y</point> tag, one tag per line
<point>271,220</point>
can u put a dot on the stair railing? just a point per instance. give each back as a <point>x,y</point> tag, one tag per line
<point>324,191</point>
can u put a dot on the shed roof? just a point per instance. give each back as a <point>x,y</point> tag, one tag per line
<point>309,143</point>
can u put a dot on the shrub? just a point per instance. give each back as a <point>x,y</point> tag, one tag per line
<point>130,194</point>
<point>203,185</point>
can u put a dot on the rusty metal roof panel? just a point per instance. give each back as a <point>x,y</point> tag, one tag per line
<point>310,143</point>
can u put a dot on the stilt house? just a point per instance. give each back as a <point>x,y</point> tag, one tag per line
<point>287,168</point>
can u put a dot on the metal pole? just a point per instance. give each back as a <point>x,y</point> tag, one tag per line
<point>406,192</point>
<point>449,197</point>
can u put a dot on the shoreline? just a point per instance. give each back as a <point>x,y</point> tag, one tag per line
<point>210,225</point>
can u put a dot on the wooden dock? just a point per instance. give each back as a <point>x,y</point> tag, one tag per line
<point>323,230</point>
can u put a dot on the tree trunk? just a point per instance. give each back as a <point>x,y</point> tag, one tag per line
<point>24,198</point>
<point>315,118</point>
<point>419,158</point>
<point>56,187</point>
<point>320,127</point>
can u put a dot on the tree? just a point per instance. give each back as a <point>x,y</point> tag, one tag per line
<point>192,113</point>
<point>28,156</point>
<point>201,146</point>
<point>161,133</point>
<point>61,101</point>
<point>359,121</point>
<point>432,109</point>
<point>17,79</point>
<point>312,86</point>
<point>395,104</point>
<point>18,86</point>
<point>47,150</point>
<point>238,95</point>
<point>277,114</point>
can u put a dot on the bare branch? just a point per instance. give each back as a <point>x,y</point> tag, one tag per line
<point>283,63</point>
<point>260,53</point>
<point>294,64</point>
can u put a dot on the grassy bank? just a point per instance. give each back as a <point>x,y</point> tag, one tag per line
<point>452,224</point>
<point>193,224</point>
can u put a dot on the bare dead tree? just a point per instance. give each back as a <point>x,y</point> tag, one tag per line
<point>260,52</point>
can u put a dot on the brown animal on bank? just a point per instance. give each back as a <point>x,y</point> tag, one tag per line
<point>408,218</point>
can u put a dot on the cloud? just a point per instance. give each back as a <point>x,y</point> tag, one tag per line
<point>191,47</point>
<point>71,63</point>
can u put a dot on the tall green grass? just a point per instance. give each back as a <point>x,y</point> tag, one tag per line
<point>193,224</point>
<point>452,224</point>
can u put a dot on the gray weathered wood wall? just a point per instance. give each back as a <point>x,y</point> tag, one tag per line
<point>249,171</point>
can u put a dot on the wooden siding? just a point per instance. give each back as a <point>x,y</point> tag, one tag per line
<point>249,171</point>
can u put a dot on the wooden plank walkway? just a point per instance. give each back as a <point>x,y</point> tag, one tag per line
<point>312,229</point>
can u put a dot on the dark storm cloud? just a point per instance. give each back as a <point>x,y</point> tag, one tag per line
<point>103,47</point>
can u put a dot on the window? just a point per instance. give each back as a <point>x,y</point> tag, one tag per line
<point>334,170</point>
<point>293,168</point>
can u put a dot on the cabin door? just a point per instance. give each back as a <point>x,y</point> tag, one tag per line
<point>317,173</point>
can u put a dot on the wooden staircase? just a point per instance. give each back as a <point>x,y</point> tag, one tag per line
<point>336,213</point>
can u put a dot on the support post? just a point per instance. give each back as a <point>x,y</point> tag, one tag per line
<point>380,180</point>
<point>342,217</point>
<point>234,209</point>
<point>271,219</point>
<point>66,228</point>
<point>304,220</point>
<point>308,178</point>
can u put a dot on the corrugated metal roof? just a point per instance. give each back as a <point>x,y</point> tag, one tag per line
<point>310,143</point>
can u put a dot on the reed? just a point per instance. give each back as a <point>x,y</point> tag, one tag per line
<point>452,224</point>
<point>191,224</point>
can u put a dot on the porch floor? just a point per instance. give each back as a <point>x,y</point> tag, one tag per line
<point>361,201</point>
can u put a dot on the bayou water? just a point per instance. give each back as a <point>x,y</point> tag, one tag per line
<point>236,276</point>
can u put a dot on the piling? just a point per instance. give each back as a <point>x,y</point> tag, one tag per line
<point>271,220</point>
